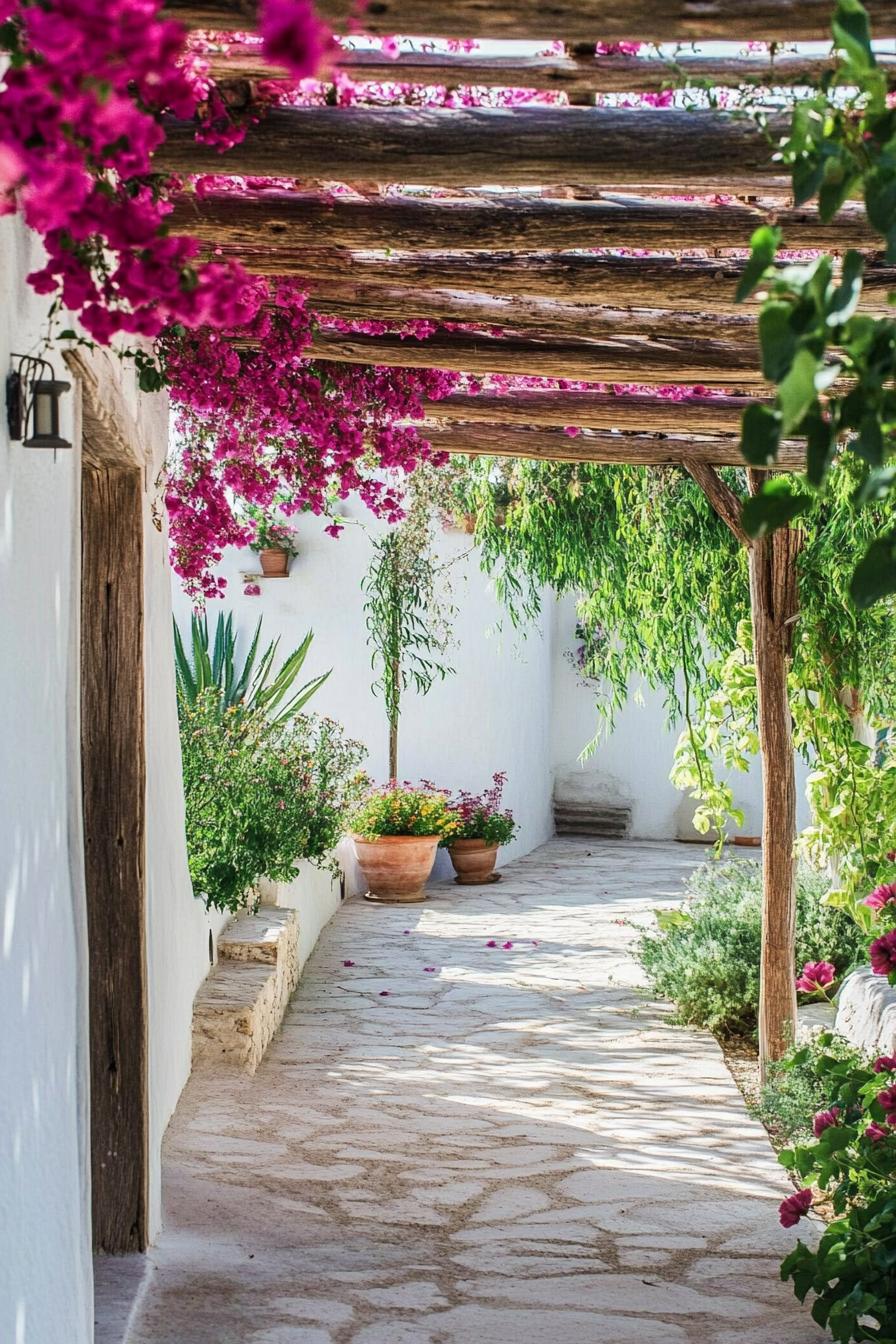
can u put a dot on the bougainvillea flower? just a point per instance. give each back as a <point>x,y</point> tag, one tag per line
<point>492,942</point>
<point>881,896</point>
<point>887,1099</point>
<point>384,993</point>
<point>876,1132</point>
<point>507,946</point>
<point>883,953</point>
<point>884,1064</point>
<point>429,968</point>
<point>794,1207</point>
<point>823,1120</point>
<point>294,37</point>
<point>348,963</point>
<point>815,976</point>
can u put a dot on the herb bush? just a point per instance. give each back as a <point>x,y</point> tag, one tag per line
<point>705,957</point>
<point>798,1086</point>
<point>261,795</point>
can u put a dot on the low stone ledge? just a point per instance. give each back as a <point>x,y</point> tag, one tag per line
<point>866,1012</point>
<point>239,1007</point>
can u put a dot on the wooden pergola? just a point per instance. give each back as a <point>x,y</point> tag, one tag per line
<point>507,224</point>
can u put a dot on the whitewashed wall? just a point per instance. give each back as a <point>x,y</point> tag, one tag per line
<point>46,1294</point>
<point>492,714</point>
<point>631,765</point>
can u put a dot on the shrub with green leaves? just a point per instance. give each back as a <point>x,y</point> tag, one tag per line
<point>705,956</point>
<point>261,795</point>
<point>798,1086</point>
<point>851,1159</point>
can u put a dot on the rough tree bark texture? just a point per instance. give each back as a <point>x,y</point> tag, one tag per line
<point>774,602</point>
<point>289,223</point>
<point>113,786</point>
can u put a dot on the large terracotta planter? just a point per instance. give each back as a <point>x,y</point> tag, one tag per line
<point>396,867</point>
<point>474,861</point>
<point>274,563</point>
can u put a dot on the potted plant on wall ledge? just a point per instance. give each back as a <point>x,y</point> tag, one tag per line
<point>481,827</point>
<point>274,544</point>
<point>397,829</point>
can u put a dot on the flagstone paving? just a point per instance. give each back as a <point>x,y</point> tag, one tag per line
<point>515,1147</point>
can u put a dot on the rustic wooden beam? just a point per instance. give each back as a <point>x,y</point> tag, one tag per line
<point>113,798</point>
<point>466,147</point>
<point>774,602</point>
<point>531,318</point>
<point>666,360</point>
<point>725,501</point>
<point>579,74</point>
<point>702,415</point>
<point>279,223</point>
<point>571,20</point>
<point>596,446</point>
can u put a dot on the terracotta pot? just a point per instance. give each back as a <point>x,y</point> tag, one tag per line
<point>396,867</point>
<point>474,861</point>
<point>274,563</point>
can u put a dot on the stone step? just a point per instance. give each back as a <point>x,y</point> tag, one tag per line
<point>595,819</point>
<point>241,1004</point>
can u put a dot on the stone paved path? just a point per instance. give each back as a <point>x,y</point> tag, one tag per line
<point>515,1148</point>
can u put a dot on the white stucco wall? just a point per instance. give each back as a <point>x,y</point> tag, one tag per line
<point>631,764</point>
<point>45,1240</point>
<point>45,1272</point>
<point>492,714</point>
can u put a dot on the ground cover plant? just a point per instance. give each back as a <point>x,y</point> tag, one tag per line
<point>705,957</point>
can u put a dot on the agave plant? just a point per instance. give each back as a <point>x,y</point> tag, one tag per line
<point>251,685</point>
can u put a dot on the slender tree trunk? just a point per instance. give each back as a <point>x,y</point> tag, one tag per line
<point>773,596</point>
<point>395,674</point>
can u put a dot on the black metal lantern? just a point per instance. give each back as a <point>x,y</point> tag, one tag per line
<point>38,411</point>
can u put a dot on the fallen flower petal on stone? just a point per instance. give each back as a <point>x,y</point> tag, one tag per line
<point>348,963</point>
<point>507,946</point>
<point>429,968</point>
<point>384,993</point>
<point>491,943</point>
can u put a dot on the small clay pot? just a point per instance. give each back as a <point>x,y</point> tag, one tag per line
<point>396,867</point>
<point>474,861</point>
<point>274,562</point>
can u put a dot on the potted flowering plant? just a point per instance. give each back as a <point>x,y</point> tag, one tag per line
<point>275,545</point>
<point>481,826</point>
<point>397,829</point>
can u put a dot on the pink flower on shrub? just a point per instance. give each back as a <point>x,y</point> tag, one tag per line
<point>876,1132</point>
<point>883,953</point>
<point>881,896</point>
<point>884,1064</point>
<point>794,1207</point>
<point>887,1099</point>
<point>824,1120</point>
<point>816,976</point>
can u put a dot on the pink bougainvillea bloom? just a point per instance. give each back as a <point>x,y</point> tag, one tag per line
<point>887,1099</point>
<point>816,975</point>
<point>507,946</point>
<point>384,993</point>
<point>884,1064</point>
<point>252,590</point>
<point>429,968</point>
<point>293,36</point>
<point>492,942</point>
<point>876,1132</point>
<point>883,953</point>
<point>823,1120</point>
<point>794,1207</point>
<point>348,963</point>
<point>881,896</point>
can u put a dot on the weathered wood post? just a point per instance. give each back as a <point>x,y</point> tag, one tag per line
<point>774,603</point>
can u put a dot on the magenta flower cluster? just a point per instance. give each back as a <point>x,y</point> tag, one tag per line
<point>80,119</point>
<point>816,976</point>
<point>258,422</point>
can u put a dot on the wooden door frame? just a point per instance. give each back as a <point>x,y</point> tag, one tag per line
<point>113,791</point>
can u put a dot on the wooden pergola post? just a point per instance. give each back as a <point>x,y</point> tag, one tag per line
<point>773,604</point>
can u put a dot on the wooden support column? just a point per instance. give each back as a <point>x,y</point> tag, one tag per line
<point>774,602</point>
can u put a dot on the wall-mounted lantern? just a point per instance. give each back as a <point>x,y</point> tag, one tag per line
<point>32,403</point>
